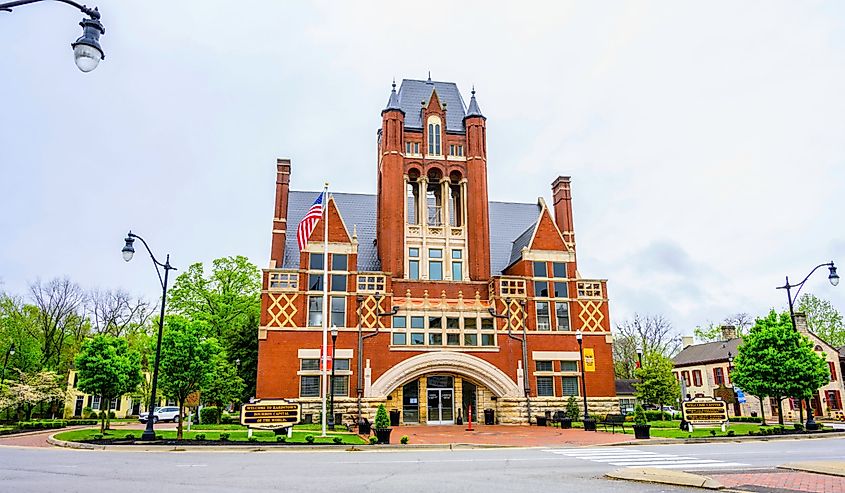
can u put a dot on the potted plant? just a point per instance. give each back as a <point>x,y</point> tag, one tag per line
<point>364,426</point>
<point>571,413</point>
<point>641,426</point>
<point>382,425</point>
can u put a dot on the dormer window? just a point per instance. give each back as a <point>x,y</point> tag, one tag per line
<point>456,150</point>
<point>412,148</point>
<point>434,135</point>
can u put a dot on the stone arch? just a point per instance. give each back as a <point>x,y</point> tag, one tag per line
<point>447,362</point>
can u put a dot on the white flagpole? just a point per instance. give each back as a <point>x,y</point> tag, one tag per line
<point>324,352</point>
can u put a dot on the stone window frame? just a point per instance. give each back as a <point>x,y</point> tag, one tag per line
<point>283,281</point>
<point>551,280</point>
<point>482,332</point>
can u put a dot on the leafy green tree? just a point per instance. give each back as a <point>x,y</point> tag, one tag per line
<point>776,361</point>
<point>17,326</point>
<point>188,357</point>
<point>223,386</point>
<point>657,383</point>
<point>228,299</point>
<point>106,367</point>
<point>823,319</point>
<point>713,332</point>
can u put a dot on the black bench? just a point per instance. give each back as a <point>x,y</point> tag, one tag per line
<point>614,420</point>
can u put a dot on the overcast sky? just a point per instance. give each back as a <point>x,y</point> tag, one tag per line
<point>704,140</point>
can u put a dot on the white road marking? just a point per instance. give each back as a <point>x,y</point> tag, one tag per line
<point>638,458</point>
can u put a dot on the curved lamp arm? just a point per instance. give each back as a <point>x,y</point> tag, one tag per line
<point>800,285</point>
<point>130,238</point>
<point>93,13</point>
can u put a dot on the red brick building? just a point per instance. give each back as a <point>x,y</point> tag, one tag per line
<point>432,245</point>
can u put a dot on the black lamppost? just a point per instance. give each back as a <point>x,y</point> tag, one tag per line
<point>833,277</point>
<point>331,387</point>
<point>87,52</point>
<point>580,338</point>
<point>128,252</point>
<point>526,386</point>
<point>360,366</point>
<point>9,352</point>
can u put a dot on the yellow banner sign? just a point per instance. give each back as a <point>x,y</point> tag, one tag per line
<point>589,359</point>
<point>270,414</point>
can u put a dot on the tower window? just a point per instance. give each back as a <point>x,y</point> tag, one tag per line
<point>434,198</point>
<point>456,150</point>
<point>413,200</point>
<point>455,208</point>
<point>434,136</point>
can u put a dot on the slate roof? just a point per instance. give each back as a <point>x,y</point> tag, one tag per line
<point>521,242</point>
<point>842,352</point>
<point>411,92</point>
<point>507,221</point>
<point>625,386</point>
<point>707,352</point>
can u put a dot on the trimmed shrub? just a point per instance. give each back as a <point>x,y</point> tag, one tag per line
<point>98,436</point>
<point>798,426</point>
<point>657,416</point>
<point>640,415</point>
<point>404,440</point>
<point>337,440</point>
<point>746,419</point>
<point>731,433</point>
<point>712,433</point>
<point>87,412</point>
<point>42,424</point>
<point>82,422</point>
<point>382,420</point>
<point>129,436</point>
<point>209,414</point>
<point>572,411</point>
<point>199,436</point>
<point>224,437</point>
<point>228,419</point>
<point>252,439</point>
<point>373,440</point>
<point>281,438</point>
<point>309,438</point>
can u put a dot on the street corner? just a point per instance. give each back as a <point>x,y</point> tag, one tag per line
<point>828,467</point>
<point>781,481</point>
<point>665,476</point>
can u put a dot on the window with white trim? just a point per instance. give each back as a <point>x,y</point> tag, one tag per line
<point>545,386</point>
<point>285,281</point>
<point>434,136</point>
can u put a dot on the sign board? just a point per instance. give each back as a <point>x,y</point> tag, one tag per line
<point>276,413</point>
<point>725,393</point>
<point>705,413</point>
<point>589,359</point>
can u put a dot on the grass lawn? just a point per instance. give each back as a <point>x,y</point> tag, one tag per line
<point>303,427</point>
<point>671,429</point>
<point>234,436</point>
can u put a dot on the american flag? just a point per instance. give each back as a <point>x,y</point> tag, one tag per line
<point>306,226</point>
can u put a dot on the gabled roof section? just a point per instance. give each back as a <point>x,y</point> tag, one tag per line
<point>708,352</point>
<point>357,210</point>
<point>412,92</point>
<point>508,220</point>
<point>521,242</point>
<point>547,236</point>
<point>336,235</point>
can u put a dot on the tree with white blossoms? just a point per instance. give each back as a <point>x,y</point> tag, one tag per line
<point>31,389</point>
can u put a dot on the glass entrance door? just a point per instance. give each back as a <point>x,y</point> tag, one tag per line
<point>441,402</point>
<point>441,407</point>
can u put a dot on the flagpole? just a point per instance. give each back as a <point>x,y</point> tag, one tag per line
<point>324,352</point>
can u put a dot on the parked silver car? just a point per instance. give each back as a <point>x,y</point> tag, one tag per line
<point>168,413</point>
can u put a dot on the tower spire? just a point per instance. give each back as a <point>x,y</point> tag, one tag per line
<point>473,109</point>
<point>393,102</point>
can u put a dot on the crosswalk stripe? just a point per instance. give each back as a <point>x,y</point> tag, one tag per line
<point>639,458</point>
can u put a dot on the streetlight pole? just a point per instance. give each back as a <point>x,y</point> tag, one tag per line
<point>526,386</point>
<point>9,352</point>
<point>360,366</point>
<point>579,337</point>
<point>87,51</point>
<point>833,277</point>
<point>128,251</point>
<point>331,386</point>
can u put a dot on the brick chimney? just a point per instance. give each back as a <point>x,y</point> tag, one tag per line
<point>562,200</point>
<point>277,248</point>
<point>801,323</point>
<point>728,332</point>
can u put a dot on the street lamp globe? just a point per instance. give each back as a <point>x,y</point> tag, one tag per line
<point>578,336</point>
<point>87,52</point>
<point>128,249</point>
<point>833,277</point>
<point>12,350</point>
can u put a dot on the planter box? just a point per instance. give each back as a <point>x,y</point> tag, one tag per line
<point>541,421</point>
<point>642,431</point>
<point>590,424</point>
<point>383,434</point>
<point>566,423</point>
<point>364,427</point>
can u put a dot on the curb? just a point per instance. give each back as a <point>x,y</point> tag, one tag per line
<point>828,467</point>
<point>664,476</point>
<point>744,438</point>
<point>61,443</point>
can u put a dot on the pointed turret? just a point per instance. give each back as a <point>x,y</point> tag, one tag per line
<point>473,109</point>
<point>393,102</point>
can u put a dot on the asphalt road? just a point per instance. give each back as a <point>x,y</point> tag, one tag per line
<point>403,471</point>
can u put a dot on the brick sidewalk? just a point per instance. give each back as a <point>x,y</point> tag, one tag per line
<point>526,436</point>
<point>780,481</point>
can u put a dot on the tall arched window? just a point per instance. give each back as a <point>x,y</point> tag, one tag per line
<point>434,198</point>
<point>434,147</point>
<point>413,197</point>
<point>455,206</point>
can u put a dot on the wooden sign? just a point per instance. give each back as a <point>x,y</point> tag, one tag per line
<point>277,413</point>
<point>725,393</point>
<point>704,412</point>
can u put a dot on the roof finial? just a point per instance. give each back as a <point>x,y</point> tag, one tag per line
<point>473,90</point>
<point>394,83</point>
<point>429,76</point>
